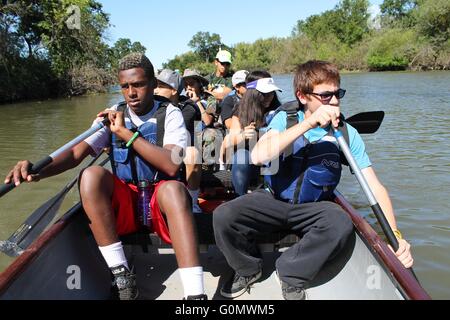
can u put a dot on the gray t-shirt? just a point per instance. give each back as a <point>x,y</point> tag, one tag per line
<point>174,128</point>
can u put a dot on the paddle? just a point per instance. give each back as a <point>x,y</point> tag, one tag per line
<point>37,167</point>
<point>368,192</point>
<point>39,220</point>
<point>366,122</point>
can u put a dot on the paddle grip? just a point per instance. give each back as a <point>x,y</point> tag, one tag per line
<point>41,164</point>
<point>4,189</point>
<point>392,239</point>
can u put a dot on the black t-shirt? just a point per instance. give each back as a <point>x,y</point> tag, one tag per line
<point>228,106</point>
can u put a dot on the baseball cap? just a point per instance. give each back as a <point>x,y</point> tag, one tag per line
<point>224,56</point>
<point>264,85</point>
<point>170,78</point>
<point>239,77</point>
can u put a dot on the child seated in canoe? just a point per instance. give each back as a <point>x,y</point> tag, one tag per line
<point>305,167</point>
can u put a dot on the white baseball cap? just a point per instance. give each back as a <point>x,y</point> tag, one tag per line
<point>239,77</point>
<point>264,85</point>
<point>224,56</point>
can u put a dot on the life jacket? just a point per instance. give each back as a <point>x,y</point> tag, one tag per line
<point>308,172</point>
<point>128,165</point>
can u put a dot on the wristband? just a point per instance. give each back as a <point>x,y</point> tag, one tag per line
<point>134,137</point>
<point>398,234</point>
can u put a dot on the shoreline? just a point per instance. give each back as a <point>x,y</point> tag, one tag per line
<point>109,91</point>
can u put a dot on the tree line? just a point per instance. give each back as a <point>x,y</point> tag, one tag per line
<point>51,48</point>
<point>406,35</point>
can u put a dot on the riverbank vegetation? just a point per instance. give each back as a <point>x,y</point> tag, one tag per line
<point>51,48</point>
<point>405,35</point>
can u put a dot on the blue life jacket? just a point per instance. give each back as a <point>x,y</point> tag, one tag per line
<point>308,172</point>
<point>128,165</point>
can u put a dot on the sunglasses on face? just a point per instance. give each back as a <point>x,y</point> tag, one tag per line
<point>325,97</point>
<point>225,64</point>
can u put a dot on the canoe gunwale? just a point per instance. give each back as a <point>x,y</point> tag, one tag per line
<point>14,270</point>
<point>408,284</point>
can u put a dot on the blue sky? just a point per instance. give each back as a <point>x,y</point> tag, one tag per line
<point>166,27</point>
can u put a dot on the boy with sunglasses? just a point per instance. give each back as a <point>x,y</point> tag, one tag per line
<point>299,195</point>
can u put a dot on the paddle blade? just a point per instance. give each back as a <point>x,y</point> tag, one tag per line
<point>33,226</point>
<point>366,122</point>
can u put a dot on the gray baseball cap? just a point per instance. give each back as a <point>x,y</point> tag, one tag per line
<point>169,77</point>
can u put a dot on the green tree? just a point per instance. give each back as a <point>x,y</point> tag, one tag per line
<point>316,26</point>
<point>398,12</point>
<point>347,22</point>
<point>262,54</point>
<point>43,42</point>
<point>433,20</point>
<point>393,49</point>
<point>189,60</point>
<point>70,48</point>
<point>121,48</point>
<point>206,45</point>
<point>351,23</point>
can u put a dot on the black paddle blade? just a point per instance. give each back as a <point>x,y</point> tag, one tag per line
<point>34,225</point>
<point>366,122</point>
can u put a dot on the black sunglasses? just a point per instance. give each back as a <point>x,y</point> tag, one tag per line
<point>326,96</point>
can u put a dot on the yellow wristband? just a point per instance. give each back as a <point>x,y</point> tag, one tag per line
<point>398,234</point>
<point>134,137</point>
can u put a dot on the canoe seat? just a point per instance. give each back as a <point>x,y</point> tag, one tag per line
<point>205,232</point>
<point>213,178</point>
<point>216,189</point>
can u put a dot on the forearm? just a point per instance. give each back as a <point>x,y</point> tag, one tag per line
<point>206,118</point>
<point>381,195</point>
<point>233,138</point>
<point>271,145</point>
<point>66,161</point>
<point>383,199</point>
<point>221,95</point>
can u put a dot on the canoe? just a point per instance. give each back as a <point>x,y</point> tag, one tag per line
<point>65,263</point>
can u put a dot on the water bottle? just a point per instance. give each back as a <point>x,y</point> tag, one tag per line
<point>144,209</point>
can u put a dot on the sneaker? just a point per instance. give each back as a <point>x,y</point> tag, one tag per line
<point>125,281</point>
<point>290,292</point>
<point>238,285</point>
<point>197,297</point>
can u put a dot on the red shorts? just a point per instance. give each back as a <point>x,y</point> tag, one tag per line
<point>124,203</point>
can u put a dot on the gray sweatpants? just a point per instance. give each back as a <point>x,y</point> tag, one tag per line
<point>323,227</point>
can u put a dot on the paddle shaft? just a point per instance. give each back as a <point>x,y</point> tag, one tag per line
<point>367,191</point>
<point>38,166</point>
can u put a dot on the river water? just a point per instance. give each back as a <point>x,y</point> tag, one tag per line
<point>410,153</point>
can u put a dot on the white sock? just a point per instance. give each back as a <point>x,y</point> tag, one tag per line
<point>194,195</point>
<point>192,280</point>
<point>222,165</point>
<point>114,255</point>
